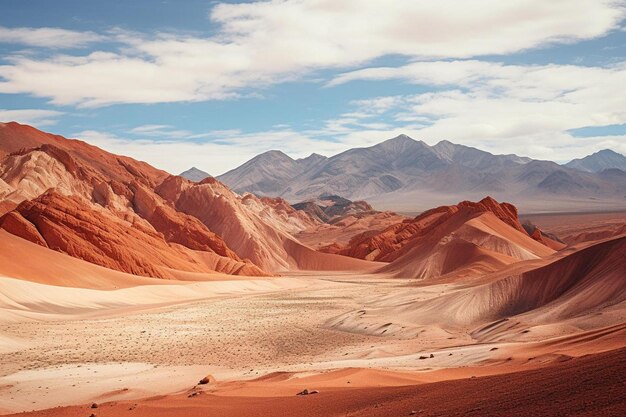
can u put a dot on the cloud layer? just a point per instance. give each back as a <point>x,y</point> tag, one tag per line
<point>47,37</point>
<point>262,43</point>
<point>30,116</point>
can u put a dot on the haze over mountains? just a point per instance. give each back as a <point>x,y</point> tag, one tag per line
<point>402,169</point>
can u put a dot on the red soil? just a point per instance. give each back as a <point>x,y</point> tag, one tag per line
<point>592,386</point>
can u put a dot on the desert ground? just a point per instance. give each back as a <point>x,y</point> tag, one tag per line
<point>354,337</point>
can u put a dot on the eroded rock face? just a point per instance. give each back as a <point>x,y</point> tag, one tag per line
<point>330,208</point>
<point>386,245</point>
<point>16,224</point>
<point>223,212</point>
<point>114,190</point>
<point>178,227</point>
<point>74,226</point>
<point>504,211</point>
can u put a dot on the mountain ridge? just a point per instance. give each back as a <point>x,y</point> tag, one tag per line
<point>599,161</point>
<point>402,165</point>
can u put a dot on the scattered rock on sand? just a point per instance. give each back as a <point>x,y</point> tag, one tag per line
<point>209,379</point>
<point>94,405</point>
<point>307,392</point>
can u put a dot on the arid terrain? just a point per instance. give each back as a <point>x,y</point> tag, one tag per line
<point>125,290</point>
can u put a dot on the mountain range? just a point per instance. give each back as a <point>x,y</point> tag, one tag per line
<point>415,176</point>
<point>599,161</point>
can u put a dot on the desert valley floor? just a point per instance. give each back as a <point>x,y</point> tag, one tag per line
<point>352,336</point>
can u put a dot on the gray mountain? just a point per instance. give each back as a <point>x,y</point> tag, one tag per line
<point>406,170</point>
<point>268,173</point>
<point>599,161</point>
<point>194,174</point>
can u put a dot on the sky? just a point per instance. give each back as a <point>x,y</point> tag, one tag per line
<point>211,84</point>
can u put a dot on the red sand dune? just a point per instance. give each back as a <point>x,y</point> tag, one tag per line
<point>577,284</point>
<point>28,261</point>
<point>467,243</point>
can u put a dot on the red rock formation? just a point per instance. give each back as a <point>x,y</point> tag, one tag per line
<point>387,245</point>
<point>36,162</point>
<point>254,229</point>
<point>17,225</point>
<point>178,227</point>
<point>71,225</point>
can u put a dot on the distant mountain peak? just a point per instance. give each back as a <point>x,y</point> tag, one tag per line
<point>400,143</point>
<point>273,155</point>
<point>607,152</point>
<point>402,138</point>
<point>599,161</point>
<point>313,157</point>
<point>194,174</point>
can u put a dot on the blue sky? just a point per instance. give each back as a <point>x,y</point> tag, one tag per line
<point>210,84</point>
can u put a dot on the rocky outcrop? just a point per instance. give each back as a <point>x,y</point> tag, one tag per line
<point>256,229</point>
<point>17,225</point>
<point>223,212</point>
<point>468,239</point>
<point>331,208</point>
<point>74,226</point>
<point>178,227</point>
<point>386,245</point>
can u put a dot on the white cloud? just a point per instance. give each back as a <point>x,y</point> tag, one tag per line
<point>228,150</point>
<point>262,43</point>
<point>47,37</point>
<point>526,110</point>
<point>165,131</point>
<point>505,108</point>
<point>36,117</point>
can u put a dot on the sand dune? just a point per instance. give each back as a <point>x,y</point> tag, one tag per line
<point>396,240</point>
<point>21,300</point>
<point>28,261</point>
<point>555,296</point>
